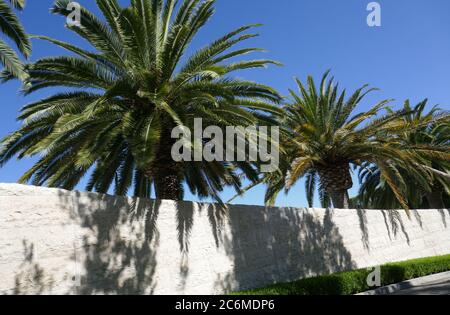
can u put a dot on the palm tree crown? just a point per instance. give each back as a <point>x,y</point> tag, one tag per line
<point>324,140</point>
<point>128,94</point>
<point>419,192</point>
<point>12,29</point>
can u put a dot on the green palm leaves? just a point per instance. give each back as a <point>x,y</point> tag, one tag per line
<point>428,191</point>
<point>12,29</point>
<point>324,139</point>
<point>128,92</point>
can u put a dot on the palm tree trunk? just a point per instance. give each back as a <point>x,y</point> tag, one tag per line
<point>165,172</point>
<point>435,199</point>
<point>336,180</point>
<point>340,199</point>
<point>168,186</point>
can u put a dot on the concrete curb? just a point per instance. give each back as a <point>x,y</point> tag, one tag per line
<point>408,284</point>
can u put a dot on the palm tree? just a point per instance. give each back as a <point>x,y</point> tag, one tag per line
<point>324,141</point>
<point>12,29</point>
<point>129,92</point>
<point>374,193</point>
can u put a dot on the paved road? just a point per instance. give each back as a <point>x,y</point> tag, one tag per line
<point>441,287</point>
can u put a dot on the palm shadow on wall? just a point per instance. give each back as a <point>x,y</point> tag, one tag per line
<point>31,277</point>
<point>216,215</point>
<point>443,216</point>
<point>301,244</point>
<point>117,261</point>
<point>118,254</point>
<point>393,222</point>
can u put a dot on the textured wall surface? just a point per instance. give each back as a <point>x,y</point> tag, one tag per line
<point>60,242</point>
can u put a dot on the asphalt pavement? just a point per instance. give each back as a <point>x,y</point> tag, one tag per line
<point>438,284</point>
<point>433,288</point>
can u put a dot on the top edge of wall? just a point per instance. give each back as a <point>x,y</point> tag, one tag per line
<point>7,189</point>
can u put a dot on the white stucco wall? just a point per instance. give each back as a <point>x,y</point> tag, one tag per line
<point>60,242</point>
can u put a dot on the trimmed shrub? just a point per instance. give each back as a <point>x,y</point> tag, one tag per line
<point>352,282</point>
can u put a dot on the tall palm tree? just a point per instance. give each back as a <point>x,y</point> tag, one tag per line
<point>129,92</point>
<point>12,29</point>
<point>374,193</point>
<point>324,140</point>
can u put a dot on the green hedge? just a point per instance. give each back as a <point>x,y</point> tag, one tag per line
<point>352,282</point>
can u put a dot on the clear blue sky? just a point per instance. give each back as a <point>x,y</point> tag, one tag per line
<point>407,57</point>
